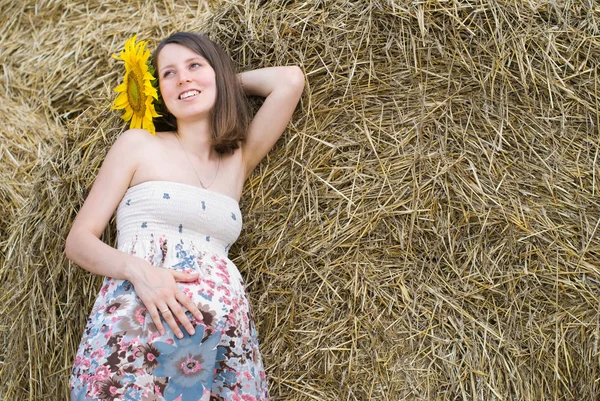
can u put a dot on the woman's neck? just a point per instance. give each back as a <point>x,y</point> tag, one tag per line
<point>196,138</point>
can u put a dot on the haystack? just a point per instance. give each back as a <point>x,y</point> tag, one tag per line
<point>427,228</point>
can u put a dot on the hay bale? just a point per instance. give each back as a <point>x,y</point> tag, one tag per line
<point>24,139</point>
<point>427,228</point>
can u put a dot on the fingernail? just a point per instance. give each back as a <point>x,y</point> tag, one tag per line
<point>180,335</point>
<point>192,332</point>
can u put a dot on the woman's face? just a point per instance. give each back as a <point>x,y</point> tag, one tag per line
<point>187,82</point>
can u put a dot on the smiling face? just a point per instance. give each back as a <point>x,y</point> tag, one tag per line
<point>187,82</point>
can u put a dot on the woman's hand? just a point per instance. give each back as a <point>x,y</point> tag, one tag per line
<point>157,288</point>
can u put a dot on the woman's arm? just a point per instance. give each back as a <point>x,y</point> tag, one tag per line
<point>281,87</point>
<point>155,286</point>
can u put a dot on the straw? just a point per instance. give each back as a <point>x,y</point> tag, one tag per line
<point>427,228</point>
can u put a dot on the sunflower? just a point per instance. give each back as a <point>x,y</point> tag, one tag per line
<point>137,94</point>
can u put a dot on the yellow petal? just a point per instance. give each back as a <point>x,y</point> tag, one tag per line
<point>127,115</point>
<point>121,88</point>
<point>135,122</point>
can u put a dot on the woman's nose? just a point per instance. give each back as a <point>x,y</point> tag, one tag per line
<point>182,79</point>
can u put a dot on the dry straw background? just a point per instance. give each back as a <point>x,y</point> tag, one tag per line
<point>428,227</point>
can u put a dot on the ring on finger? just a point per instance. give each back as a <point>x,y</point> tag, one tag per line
<point>164,311</point>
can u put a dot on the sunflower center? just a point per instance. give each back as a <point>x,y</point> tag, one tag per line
<point>190,365</point>
<point>135,93</point>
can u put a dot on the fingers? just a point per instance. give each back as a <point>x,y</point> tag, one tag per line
<point>182,276</point>
<point>154,314</point>
<point>190,306</point>
<point>171,315</point>
<point>164,300</point>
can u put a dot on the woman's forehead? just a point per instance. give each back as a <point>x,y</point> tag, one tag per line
<point>173,53</point>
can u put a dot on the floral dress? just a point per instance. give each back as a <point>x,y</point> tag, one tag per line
<point>123,357</point>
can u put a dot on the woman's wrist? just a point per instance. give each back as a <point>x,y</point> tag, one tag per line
<point>131,268</point>
<point>240,78</point>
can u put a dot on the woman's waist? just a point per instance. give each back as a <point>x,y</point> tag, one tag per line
<point>216,274</point>
<point>169,245</point>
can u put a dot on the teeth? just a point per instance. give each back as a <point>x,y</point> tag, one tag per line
<point>185,95</point>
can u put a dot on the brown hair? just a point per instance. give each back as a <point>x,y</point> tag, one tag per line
<point>230,113</point>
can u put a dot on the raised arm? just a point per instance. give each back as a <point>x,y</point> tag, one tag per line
<point>281,87</point>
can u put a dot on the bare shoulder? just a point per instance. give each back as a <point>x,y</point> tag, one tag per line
<point>136,146</point>
<point>124,158</point>
<point>134,140</point>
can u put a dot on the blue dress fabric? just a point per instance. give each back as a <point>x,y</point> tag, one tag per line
<point>123,357</point>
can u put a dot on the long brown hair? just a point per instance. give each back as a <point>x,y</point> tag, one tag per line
<point>230,113</point>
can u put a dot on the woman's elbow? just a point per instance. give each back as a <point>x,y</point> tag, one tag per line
<point>70,245</point>
<point>295,77</point>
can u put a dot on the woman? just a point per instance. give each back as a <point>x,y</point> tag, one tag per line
<point>172,318</point>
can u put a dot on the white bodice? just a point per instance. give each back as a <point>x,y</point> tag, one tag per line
<point>158,215</point>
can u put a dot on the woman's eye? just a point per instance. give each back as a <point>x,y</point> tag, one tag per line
<point>194,65</point>
<point>167,73</point>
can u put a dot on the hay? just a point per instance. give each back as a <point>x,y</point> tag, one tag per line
<point>25,139</point>
<point>428,227</point>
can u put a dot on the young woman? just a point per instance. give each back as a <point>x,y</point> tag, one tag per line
<point>172,318</point>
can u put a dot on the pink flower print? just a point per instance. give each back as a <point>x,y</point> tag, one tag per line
<point>224,290</point>
<point>140,315</point>
<point>223,277</point>
<point>97,389</point>
<point>222,267</point>
<point>104,290</point>
<point>102,373</point>
<point>231,319</point>
<point>99,353</point>
<point>210,283</point>
<point>191,365</point>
